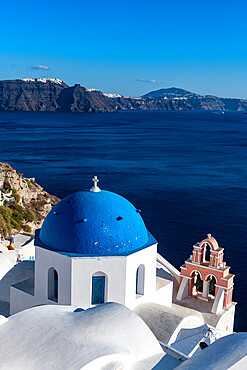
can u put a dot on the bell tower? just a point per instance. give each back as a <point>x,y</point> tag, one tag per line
<point>213,276</point>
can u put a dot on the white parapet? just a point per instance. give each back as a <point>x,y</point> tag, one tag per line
<point>183,289</point>
<point>219,300</point>
<point>168,266</point>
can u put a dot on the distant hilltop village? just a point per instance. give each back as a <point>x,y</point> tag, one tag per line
<point>54,95</point>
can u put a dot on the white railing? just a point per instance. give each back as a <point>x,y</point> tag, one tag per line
<point>174,272</point>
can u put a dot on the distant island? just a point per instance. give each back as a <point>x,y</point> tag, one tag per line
<point>54,95</point>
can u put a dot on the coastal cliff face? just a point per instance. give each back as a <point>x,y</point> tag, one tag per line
<point>151,104</point>
<point>78,99</point>
<point>28,95</point>
<point>32,195</point>
<point>180,103</point>
<point>52,95</point>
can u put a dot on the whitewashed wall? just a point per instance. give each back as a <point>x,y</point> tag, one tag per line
<point>82,271</point>
<point>120,274</point>
<point>46,259</point>
<point>75,279</point>
<point>146,257</point>
<point>20,300</point>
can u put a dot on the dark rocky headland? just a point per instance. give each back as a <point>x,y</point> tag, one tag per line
<point>53,95</point>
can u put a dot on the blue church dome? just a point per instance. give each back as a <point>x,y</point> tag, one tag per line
<point>95,223</point>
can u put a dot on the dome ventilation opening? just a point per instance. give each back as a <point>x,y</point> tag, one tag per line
<point>119,218</point>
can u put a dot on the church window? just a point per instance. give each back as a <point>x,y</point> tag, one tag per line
<point>98,289</point>
<point>53,284</point>
<point>140,277</point>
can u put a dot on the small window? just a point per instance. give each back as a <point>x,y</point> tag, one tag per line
<point>140,277</point>
<point>53,284</point>
<point>98,289</point>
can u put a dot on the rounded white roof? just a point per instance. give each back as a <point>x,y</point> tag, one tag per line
<point>60,337</point>
<point>225,353</point>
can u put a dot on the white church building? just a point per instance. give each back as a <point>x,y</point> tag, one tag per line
<point>92,248</point>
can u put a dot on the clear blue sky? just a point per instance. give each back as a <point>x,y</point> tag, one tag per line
<point>110,45</point>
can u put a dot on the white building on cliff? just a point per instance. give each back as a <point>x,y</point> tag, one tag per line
<point>94,248</point>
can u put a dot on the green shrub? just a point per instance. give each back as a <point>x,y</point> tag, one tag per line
<point>29,215</point>
<point>27,228</point>
<point>16,196</point>
<point>19,213</point>
<point>15,225</point>
<point>17,216</point>
<point>16,219</point>
<point>9,228</point>
<point>12,217</point>
<point>18,208</point>
<point>29,184</point>
<point>2,222</point>
<point>6,213</point>
<point>3,226</point>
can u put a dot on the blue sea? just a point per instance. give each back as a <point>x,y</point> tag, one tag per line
<point>186,171</point>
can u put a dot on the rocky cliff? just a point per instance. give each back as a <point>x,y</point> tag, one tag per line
<point>51,95</point>
<point>32,195</point>
<point>151,104</point>
<point>46,94</point>
<point>30,95</point>
<point>79,99</point>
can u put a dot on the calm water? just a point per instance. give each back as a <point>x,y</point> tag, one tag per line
<point>186,171</point>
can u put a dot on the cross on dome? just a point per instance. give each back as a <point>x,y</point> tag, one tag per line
<point>95,187</point>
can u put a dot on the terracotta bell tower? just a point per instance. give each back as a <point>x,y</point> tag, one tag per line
<point>198,273</point>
